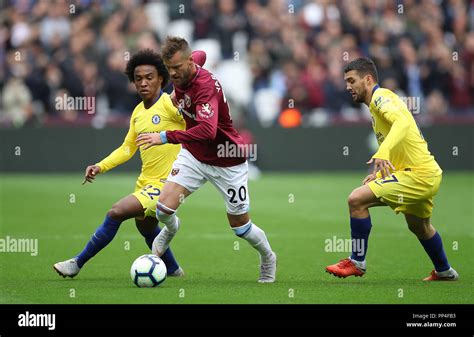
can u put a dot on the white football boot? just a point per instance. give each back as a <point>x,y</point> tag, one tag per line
<point>447,275</point>
<point>268,270</point>
<point>177,273</point>
<point>162,241</point>
<point>67,268</point>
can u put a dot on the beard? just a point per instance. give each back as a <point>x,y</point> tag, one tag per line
<point>183,80</point>
<point>360,98</point>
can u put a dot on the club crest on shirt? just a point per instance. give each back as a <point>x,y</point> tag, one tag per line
<point>155,119</point>
<point>187,101</point>
<point>174,171</point>
<point>206,111</point>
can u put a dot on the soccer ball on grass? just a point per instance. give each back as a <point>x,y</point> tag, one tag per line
<point>148,271</point>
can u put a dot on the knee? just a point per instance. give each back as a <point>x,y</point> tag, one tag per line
<point>115,213</point>
<point>354,201</point>
<point>238,220</point>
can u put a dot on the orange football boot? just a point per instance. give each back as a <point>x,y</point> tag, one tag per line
<point>345,268</point>
<point>453,276</point>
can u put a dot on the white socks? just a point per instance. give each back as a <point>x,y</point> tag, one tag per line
<point>171,221</point>
<point>256,238</point>
<point>359,264</point>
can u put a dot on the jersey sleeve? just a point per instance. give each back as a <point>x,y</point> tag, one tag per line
<point>206,119</point>
<point>123,153</point>
<point>392,113</point>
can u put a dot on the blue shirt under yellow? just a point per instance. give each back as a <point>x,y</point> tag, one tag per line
<point>399,138</point>
<point>156,160</point>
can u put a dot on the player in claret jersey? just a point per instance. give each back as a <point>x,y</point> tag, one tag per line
<point>155,113</point>
<point>406,176</point>
<point>203,105</point>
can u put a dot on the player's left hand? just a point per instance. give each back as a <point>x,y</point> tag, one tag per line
<point>384,166</point>
<point>148,139</point>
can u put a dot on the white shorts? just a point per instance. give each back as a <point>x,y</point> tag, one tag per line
<point>231,181</point>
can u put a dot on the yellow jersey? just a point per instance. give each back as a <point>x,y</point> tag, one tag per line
<point>156,160</point>
<point>399,138</point>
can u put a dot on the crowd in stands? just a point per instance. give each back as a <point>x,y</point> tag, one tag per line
<point>279,61</point>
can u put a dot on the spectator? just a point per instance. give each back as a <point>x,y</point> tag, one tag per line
<point>296,50</point>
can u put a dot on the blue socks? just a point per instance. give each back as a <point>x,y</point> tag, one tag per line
<point>360,230</point>
<point>434,249</point>
<point>105,234</point>
<point>167,257</point>
<point>101,238</point>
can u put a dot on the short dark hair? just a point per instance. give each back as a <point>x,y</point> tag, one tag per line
<point>363,66</point>
<point>174,44</point>
<point>147,57</point>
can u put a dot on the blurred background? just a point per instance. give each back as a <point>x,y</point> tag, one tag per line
<point>280,63</point>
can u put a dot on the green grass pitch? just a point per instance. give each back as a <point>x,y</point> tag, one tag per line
<point>297,211</point>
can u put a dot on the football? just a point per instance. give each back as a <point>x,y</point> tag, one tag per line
<point>148,271</point>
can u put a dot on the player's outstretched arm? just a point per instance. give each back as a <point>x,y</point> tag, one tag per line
<point>149,140</point>
<point>91,172</point>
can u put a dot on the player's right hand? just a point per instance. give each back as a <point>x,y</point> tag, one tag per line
<point>91,172</point>
<point>369,178</point>
<point>381,165</point>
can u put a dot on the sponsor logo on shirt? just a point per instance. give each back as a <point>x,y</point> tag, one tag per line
<point>380,137</point>
<point>381,101</point>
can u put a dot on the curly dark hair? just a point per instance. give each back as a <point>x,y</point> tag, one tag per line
<point>147,57</point>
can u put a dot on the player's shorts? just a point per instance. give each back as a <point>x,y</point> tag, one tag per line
<point>231,181</point>
<point>408,192</point>
<point>147,192</point>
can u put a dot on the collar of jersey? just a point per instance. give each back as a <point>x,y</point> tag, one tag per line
<point>375,88</point>
<point>156,100</point>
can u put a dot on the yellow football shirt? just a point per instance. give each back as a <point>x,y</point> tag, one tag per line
<point>398,135</point>
<point>156,160</point>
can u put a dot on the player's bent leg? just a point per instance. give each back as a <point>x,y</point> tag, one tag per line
<point>359,201</point>
<point>170,198</point>
<point>244,228</point>
<point>433,245</point>
<point>149,229</point>
<point>126,208</point>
